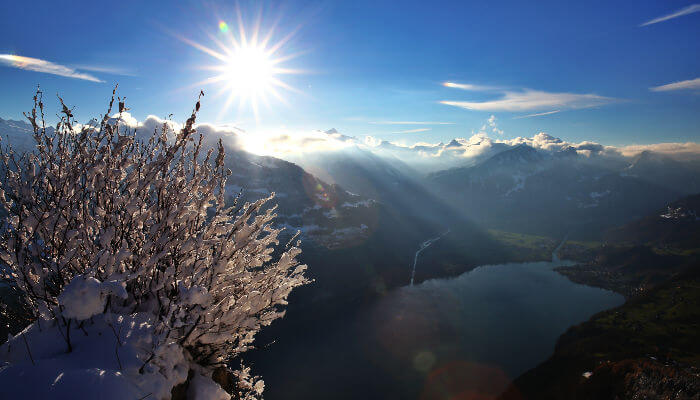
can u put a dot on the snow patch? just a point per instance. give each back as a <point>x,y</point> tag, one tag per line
<point>519,184</point>
<point>361,203</point>
<point>597,195</point>
<point>85,297</point>
<point>105,361</point>
<point>203,388</point>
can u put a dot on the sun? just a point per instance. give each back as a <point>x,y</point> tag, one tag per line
<point>249,71</point>
<point>249,68</point>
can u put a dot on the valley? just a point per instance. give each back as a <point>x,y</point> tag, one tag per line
<point>382,260</point>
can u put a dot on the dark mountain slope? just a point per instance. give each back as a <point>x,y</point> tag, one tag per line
<point>647,348</point>
<point>675,226</point>
<point>385,179</point>
<point>526,190</point>
<point>664,171</point>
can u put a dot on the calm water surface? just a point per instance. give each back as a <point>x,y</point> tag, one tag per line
<point>441,338</point>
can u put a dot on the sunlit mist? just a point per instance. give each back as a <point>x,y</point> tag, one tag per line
<point>290,143</point>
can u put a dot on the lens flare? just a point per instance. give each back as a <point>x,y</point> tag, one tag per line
<point>223,27</point>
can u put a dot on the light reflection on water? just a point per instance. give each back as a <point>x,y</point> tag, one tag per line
<point>465,336</point>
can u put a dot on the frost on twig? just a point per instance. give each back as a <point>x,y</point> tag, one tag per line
<point>103,222</point>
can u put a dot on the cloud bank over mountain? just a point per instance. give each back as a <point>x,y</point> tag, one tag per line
<point>461,151</point>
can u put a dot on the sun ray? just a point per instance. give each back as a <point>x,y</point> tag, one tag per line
<point>268,35</point>
<point>256,27</point>
<point>288,57</point>
<point>241,27</point>
<point>220,44</point>
<point>283,41</point>
<point>285,86</point>
<point>202,48</point>
<point>254,102</point>
<point>229,100</point>
<point>279,97</point>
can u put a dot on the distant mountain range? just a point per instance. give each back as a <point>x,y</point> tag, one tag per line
<point>529,190</point>
<point>358,242</point>
<point>364,210</point>
<point>540,185</point>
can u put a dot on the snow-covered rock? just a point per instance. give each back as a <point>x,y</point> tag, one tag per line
<point>85,297</point>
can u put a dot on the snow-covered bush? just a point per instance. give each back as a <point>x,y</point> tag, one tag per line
<point>106,229</point>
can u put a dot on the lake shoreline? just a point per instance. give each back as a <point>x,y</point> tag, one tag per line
<point>477,321</point>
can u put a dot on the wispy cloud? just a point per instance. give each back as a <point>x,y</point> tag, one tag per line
<point>533,100</point>
<point>106,69</point>
<point>493,125</point>
<point>681,85</point>
<point>537,114</point>
<point>688,148</point>
<point>683,11</point>
<point>47,67</point>
<point>411,123</point>
<point>468,86</point>
<point>413,130</point>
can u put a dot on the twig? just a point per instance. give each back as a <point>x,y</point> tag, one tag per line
<point>146,362</point>
<point>28,351</point>
<point>116,348</point>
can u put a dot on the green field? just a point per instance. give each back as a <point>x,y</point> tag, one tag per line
<point>526,247</point>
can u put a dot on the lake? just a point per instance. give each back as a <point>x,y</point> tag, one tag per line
<point>466,336</point>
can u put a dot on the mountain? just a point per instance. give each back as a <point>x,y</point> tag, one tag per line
<point>519,155</point>
<point>384,178</point>
<point>408,208</point>
<point>644,349</point>
<point>17,133</point>
<point>648,347</point>
<point>645,252</point>
<point>675,226</point>
<point>529,190</point>
<point>680,176</point>
<point>357,242</point>
<point>428,158</point>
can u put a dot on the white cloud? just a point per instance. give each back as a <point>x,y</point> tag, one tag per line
<point>537,114</point>
<point>453,152</point>
<point>231,136</point>
<point>473,146</point>
<point>106,70</point>
<point>468,86</point>
<point>693,8</point>
<point>413,130</point>
<point>533,100</point>
<point>458,151</point>
<point>411,123</point>
<point>681,85</point>
<point>682,149</point>
<point>275,143</point>
<point>494,127</point>
<point>547,142</point>
<point>284,141</point>
<point>47,67</point>
<point>372,141</point>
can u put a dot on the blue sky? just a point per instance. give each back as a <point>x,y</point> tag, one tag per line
<point>588,66</point>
